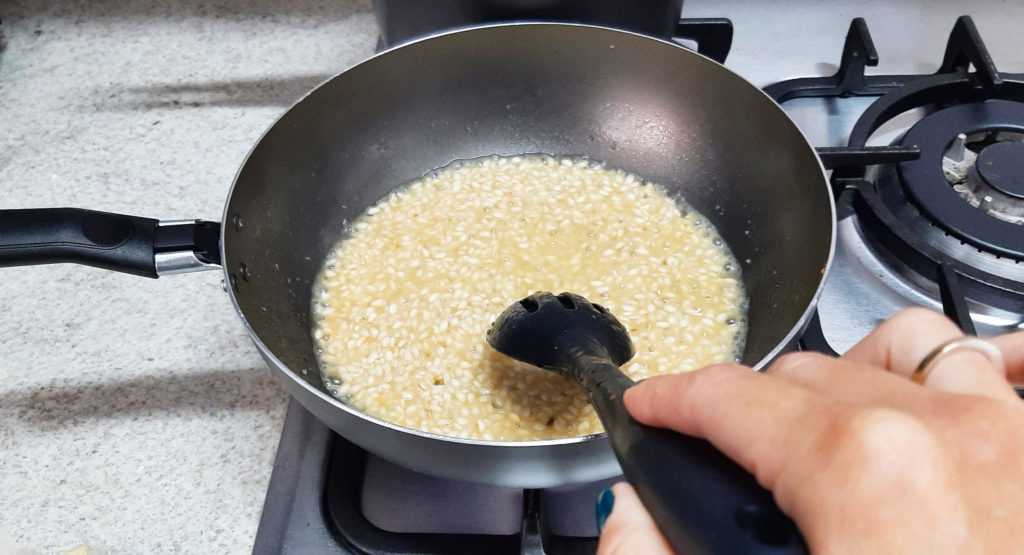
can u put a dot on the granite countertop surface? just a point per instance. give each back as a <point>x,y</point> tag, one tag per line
<point>135,414</point>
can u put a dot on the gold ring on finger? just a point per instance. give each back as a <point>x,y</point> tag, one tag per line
<point>980,346</point>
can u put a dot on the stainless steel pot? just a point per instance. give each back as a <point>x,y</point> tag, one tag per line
<point>640,104</point>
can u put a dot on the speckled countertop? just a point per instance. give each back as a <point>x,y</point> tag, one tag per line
<point>135,415</point>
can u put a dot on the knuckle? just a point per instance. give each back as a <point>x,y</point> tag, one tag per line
<point>878,447</point>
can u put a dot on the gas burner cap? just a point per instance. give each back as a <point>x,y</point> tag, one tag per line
<point>987,170</point>
<point>1001,165</point>
<point>969,180</point>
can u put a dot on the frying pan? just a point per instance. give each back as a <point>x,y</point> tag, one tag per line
<point>639,104</point>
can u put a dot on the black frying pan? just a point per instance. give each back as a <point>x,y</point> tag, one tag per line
<point>639,104</point>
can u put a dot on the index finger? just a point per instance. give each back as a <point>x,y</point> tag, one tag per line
<point>755,419</point>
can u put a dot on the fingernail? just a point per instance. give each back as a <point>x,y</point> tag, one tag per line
<point>605,501</point>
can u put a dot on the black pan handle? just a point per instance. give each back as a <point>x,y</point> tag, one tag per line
<point>702,501</point>
<point>129,244</point>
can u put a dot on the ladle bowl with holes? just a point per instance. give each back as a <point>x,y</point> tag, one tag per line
<point>693,491</point>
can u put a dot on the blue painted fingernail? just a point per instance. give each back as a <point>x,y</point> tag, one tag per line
<point>605,501</point>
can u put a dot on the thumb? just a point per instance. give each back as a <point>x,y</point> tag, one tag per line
<point>630,528</point>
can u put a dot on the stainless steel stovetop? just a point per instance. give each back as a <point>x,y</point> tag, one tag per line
<point>326,495</point>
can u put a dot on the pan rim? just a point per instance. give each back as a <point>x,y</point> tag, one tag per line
<point>266,352</point>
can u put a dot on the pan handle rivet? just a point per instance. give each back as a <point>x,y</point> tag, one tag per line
<point>224,285</point>
<point>243,271</point>
<point>236,221</point>
<point>234,282</point>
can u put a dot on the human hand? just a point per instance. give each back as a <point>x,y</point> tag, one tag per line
<point>862,458</point>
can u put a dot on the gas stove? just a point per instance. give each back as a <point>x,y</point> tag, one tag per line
<point>928,174</point>
<point>934,219</point>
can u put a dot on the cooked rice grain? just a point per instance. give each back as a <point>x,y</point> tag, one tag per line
<point>404,302</point>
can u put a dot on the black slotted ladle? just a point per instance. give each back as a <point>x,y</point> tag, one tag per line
<point>701,500</point>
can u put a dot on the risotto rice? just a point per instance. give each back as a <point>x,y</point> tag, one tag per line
<point>403,303</point>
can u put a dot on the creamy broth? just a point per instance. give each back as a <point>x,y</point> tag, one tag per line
<point>403,303</point>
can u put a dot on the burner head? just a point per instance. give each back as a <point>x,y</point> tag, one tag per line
<point>969,180</point>
<point>987,170</point>
<point>1001,166</point>
<point>955,205</point>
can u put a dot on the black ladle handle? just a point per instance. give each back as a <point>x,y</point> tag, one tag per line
<point>702,501</point>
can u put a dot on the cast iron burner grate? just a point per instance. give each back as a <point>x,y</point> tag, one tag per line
<point>918,211</point>
<point>314,504</point>
<point>345,515</point>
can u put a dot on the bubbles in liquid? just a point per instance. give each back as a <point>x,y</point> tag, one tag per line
<point>595,243</point>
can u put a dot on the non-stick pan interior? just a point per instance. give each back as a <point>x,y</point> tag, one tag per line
<point>636,103</point>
